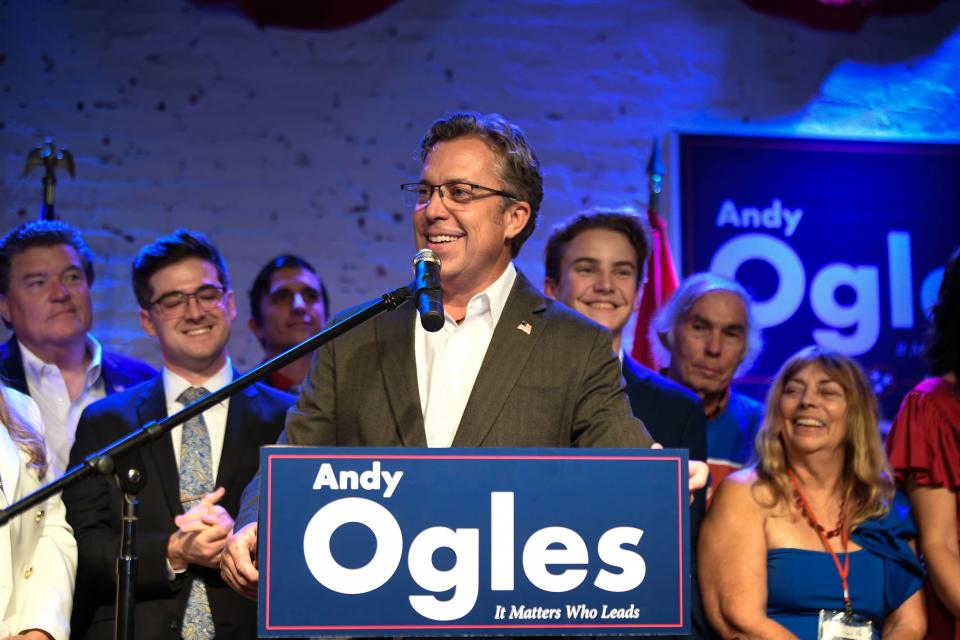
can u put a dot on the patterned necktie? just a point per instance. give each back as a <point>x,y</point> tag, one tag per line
<point>196,480</point>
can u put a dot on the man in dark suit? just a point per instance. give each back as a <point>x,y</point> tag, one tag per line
<point>196,472</point>
<point>510,367</point>
<point>596,263</point>
<point>46,271</point>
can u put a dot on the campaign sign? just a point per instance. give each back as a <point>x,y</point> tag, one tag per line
<point>841,243</point>
<point>430,542</point>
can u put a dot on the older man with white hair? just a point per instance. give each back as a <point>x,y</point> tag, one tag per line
<point>705,335</point>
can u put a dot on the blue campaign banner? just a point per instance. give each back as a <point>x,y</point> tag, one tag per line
<point>430,542</point>
<point>841,243</point>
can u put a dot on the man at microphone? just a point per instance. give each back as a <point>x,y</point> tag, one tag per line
<point>508,368</point>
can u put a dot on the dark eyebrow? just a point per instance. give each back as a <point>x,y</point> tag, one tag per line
<point>290,290</point>
<point>43,274</point>
<point>590,261</point>
<point>450,181</point>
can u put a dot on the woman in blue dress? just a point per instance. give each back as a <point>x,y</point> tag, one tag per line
<point>812,541</point>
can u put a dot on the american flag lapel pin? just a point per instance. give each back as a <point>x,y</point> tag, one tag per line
<point>525,326</point>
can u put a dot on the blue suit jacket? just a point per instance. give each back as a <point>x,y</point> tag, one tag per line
<point>119,371</point>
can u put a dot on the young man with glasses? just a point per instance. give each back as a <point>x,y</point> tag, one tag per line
<point>46,271</point>
<point>509,368</point>
<point>288,304</point>
<point>195,473</point>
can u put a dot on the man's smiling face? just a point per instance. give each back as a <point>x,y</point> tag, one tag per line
<point>472,239</point>
<point>192,339</point>
<point>598,277</point>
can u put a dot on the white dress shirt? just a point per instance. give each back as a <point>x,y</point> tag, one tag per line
<point>214,417</point>
<point>449,360</point>
<point>60,414</point>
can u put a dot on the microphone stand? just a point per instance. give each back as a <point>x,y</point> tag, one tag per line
<point>131,479</point>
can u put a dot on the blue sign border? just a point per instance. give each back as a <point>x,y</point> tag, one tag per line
<point>676,475</point>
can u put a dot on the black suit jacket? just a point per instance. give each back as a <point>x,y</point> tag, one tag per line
<point>672,413</point>
<point>119,371</point>
<point>255,418</point>
<point>674,417</point>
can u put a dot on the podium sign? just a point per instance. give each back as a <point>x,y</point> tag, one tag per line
<point>430,542</point>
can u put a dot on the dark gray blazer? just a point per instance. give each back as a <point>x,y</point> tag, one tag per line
<point>558,385</point>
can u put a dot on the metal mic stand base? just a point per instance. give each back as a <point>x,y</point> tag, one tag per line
<point>130,481</point>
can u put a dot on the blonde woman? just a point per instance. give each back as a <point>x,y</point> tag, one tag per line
<point>812,541</point>
<point>38,555</point>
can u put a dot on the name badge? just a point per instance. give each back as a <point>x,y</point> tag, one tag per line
<point>837,625</point>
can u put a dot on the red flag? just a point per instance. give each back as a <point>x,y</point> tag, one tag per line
<point>660,285</point>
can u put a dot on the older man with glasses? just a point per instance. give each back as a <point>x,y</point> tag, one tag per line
<point>196,472</point>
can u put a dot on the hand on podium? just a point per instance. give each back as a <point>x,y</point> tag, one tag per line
<point>237,565</point>
<point>697,473</point>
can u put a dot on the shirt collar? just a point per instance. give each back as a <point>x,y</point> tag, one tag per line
<point>96,359</point>
<point>721,406</point>
<point>494,297</point>
<point>34,367</point>
<point>174,384</point>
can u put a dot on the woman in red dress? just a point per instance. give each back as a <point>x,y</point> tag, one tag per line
<point>924,451</point>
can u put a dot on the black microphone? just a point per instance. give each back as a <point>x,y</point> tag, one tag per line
<point>426,267</point>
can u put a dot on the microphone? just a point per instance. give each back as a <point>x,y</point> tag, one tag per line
<point>426,285</point>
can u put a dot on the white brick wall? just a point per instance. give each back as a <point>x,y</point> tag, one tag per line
<point>274,140</point>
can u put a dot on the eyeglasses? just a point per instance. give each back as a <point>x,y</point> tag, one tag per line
<point>420,193</point>
<point>174,304</point>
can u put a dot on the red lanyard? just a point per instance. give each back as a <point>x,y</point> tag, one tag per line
<point>844,570</point>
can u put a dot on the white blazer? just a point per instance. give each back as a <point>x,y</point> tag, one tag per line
<point>38,555</point>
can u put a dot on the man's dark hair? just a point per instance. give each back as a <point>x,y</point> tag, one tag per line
<point>517,165</point>
<point>167,250</point>
<point>628,222</point>
<point>943,347</point>
<point>41,233</point>
<point>261,284</point>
